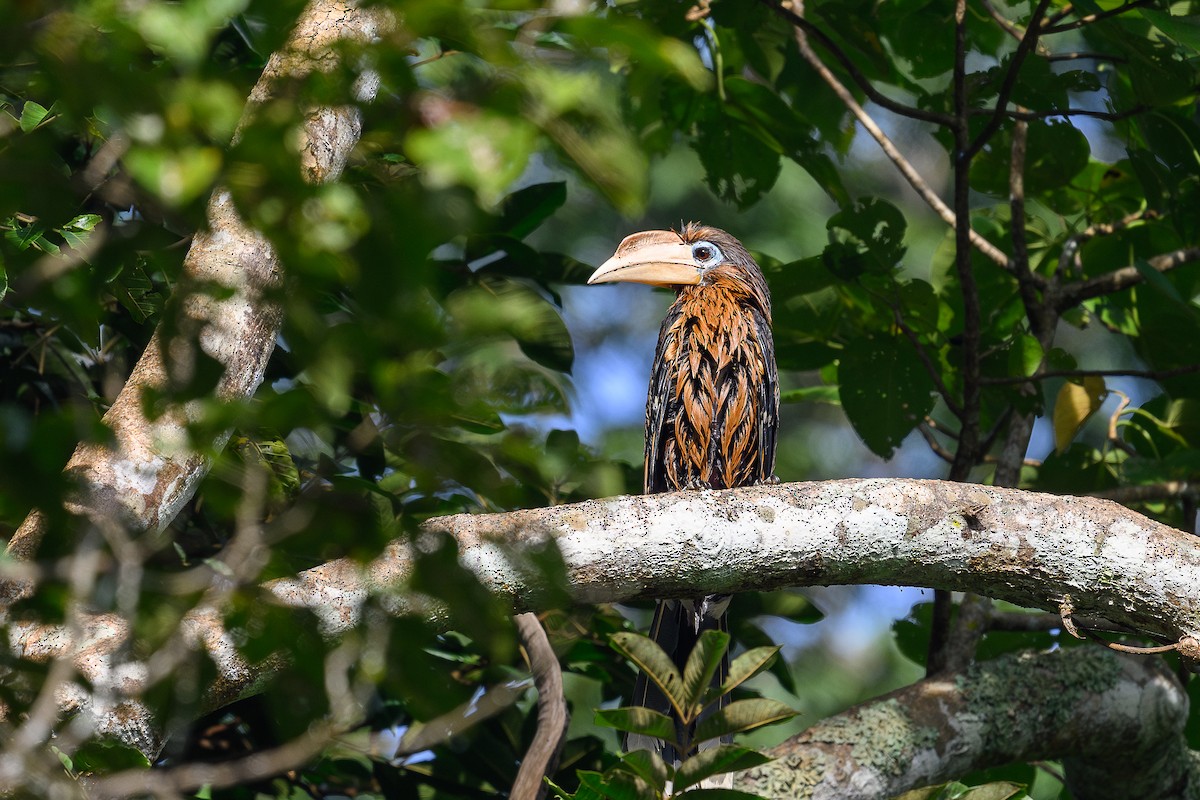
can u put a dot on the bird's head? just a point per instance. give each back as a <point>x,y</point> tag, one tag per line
<point>695,255</point>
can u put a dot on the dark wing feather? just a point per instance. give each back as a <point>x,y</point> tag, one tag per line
<point>659,400</point>
<point>768,398</point>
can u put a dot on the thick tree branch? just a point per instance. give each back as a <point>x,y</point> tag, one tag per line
<point>1116,720</point>
<point>1028,548</point>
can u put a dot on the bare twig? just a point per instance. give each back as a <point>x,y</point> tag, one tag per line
<point>923,355</point>
<point>1003,21</point>
<point>1123,278</point>
<point>1148,374</point>
<point>1113,418</point>
<point>1107,116</point>
<point>542,757</point>
<point>936,446</point>
<point>1028,42</point>
<point>914,178</point>
<point>1069,257</point>
<point>190,777</point>
<point>1139,650</point>
<point>1022,622</point>
<point>1087,56</point>
<point>1091,18</point>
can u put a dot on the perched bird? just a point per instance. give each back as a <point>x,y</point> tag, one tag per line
<point>712,411</point>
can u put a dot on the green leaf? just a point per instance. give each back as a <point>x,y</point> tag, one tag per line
<point>651,659</point>
<point>620,785</point>
<point>720,794</point>
<point>885,390</point>
<point>702,663</point>
<point>637,719</point>
<point>739,167</point>
<point>649,765</point>
<point>747,665</point>
<point>1184,29</point>
<point>1056,153</point>
<point>1160,282</point>
<point>812,394</point>
<point>1024,356</point>
<point>867,237</point>
<point>717,761</point>
<point>483,151</point>
<point>32,115</point>
<point>105,755</point>
<point>740,716</point>
<point>797,277</point>
<point>526,209</point>
<point>176,176</point>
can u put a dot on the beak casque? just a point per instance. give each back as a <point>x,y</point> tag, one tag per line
<point>658,258</point>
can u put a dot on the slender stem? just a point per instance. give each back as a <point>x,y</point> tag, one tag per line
<point>1107,116</point>
<point>1091,18</point>
<point>1027,44</point>
<point>927,362</point>
<point>1148,374</point>
<point>860,80</point>
<point>918,183</point>
<point>718,60</point>
<point>1074,293</point>
<point>966,454</point>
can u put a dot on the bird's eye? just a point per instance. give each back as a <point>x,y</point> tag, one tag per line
<point>705,252</point>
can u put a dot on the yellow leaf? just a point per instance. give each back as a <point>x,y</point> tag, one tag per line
<point>1076,401</point>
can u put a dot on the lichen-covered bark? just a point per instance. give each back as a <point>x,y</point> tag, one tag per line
<point>1032,549</point>
<point>1120,719</point>
<point>151,470</point>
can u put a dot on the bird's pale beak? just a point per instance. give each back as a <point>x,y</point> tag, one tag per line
<point>657,263</point>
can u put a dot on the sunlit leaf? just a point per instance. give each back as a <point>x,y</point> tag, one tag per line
<point>747,665</point>
<point>1076,402</point>
<point>648,657</point>
<point>702,664</point>
<point>716,761</point>
<point>741,716</point>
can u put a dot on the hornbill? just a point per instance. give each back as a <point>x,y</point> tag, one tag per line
<point>712,411</point>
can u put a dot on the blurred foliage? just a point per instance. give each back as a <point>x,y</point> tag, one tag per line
<point>426,364</point>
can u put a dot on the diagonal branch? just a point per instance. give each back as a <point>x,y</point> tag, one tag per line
<point>1024,48</point>
<point>910,173</point>
<point>860,80</point>
<point>1097,17</point>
